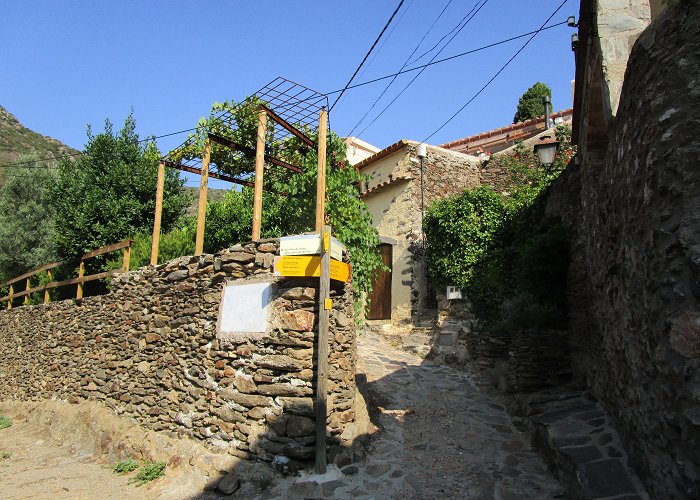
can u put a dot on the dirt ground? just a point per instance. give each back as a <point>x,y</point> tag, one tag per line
<point>32,465</point>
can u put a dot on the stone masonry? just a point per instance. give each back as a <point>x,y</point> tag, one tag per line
<point>634,281</point>
<point>150,350</point>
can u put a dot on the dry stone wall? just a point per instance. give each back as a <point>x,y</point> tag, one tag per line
<point>634,281</point>
<point>150,350</point>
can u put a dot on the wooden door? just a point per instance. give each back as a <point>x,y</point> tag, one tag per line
<point>380,299</point>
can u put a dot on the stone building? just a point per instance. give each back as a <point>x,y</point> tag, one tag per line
<point>397,195</point>
<point>631,202</point>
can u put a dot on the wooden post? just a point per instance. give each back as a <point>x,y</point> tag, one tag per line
<point>202,211</point>
<point>321,181</point>
<point>81,273</point>
<point>47,297</point>
<point>324,307</point>
<point>158,214</point>
<point>259,172</point>
<point>127,258</point>
<point>12,292</point>
<point>26,297</point>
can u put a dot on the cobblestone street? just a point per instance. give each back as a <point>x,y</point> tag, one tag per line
<point>442,437</point>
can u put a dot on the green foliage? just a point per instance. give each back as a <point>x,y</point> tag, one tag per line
<point>4,455</point>
<point>25,219</point>
<point>125,466</point>
<point>530,104</point>
<point>502,250</point>
<point>289,198</point>
<point>5,422</point>
<point>108,194</point>
<point>149,472</point>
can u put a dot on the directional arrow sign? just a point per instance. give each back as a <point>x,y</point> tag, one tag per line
<point>308,244</point>
<point>308,265</point>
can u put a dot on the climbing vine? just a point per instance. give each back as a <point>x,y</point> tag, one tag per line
<point>501,249</point>
<point>290,198</point>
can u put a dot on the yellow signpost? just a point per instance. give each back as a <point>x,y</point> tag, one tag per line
<point>309,265</point>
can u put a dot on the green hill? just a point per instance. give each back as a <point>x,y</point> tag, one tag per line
<point>17,140</point>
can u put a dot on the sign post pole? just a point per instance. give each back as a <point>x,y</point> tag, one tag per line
<point>324,306</point>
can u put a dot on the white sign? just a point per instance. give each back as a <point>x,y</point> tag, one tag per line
<point>244,308</point>
<point>308,244</point>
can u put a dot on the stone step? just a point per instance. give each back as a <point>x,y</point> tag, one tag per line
<point>582,448</point>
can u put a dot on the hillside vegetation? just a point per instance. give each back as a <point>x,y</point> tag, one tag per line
<point>17,140</point>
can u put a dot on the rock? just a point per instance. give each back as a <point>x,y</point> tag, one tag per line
<point>152,337</point>
<point>242,257</point>
<point>177,275</point>
<point>350,470</point>
<point>229,484</point>
<point>283,390</point>
<point>280,362</point>
<point>298,426</point>
<point>298,320</point>
<point>298,406</point>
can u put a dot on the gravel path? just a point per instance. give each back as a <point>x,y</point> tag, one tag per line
<point>442,437</point>
<point>34,466</point>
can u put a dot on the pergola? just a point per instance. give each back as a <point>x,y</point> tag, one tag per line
<point>285,110</point>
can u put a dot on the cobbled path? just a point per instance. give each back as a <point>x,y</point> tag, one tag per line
<point>442,437</point>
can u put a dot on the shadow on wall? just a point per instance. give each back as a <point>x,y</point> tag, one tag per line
<point>250,478</point>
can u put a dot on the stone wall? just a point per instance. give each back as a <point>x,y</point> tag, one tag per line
<point>634,281</point>
<point>150,350</point>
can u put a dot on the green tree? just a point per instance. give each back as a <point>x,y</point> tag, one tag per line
<point>530,104</point>
<point>108,194</point>
<point>26,219</point>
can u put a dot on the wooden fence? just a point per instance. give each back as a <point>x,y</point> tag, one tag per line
<point>80,280</point>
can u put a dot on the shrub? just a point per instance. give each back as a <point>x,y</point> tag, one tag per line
<point>149,472</point>
<point>5,422</point>
<point>126,466</point>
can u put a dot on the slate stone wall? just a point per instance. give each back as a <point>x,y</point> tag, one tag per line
<point>150,350</point>
<point>634,282</point>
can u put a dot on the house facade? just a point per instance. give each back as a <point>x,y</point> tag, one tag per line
<point>400,189</point>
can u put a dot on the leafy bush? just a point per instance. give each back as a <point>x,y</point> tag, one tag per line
<point>5,422</point>
<point>501,249</point>
<point>149,472</point>
<point>126,466</point>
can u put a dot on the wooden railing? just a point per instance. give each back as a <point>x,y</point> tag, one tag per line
<point>80,280</point>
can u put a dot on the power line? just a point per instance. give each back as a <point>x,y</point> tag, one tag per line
<point>350,87</point>
<point>386,39</point>
<point>470,16</point>
<point>497,73</point>
<point>367,55</point>
<point>403,66</point>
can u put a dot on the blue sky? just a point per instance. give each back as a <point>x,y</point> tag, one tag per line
<point>69,63</point>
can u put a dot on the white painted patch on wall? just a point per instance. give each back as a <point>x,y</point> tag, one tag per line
<point>244,309</point>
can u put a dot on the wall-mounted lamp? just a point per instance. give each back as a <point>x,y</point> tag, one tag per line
<point>546,149</point>
<point>574,41</point>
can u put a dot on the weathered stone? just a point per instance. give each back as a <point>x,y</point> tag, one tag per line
<point>279,362</point>
<point>298,426</point>
<point>283,390</point>
<point>177,275</point>
<point>299,320</point>
<point>152,337</point>
<point>298,406</point>
<point>242,257</point>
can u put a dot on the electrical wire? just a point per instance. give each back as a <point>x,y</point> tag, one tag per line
<point>386,39</point>
<point>470,16</point>
<point>351,87</point>
<point>366,55</point>
<point>527,42</point>
<point>403,66</point>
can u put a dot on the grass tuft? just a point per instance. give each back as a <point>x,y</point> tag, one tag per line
<point>125,466</point>
<point>149,472</point>
<point>5,422</point>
